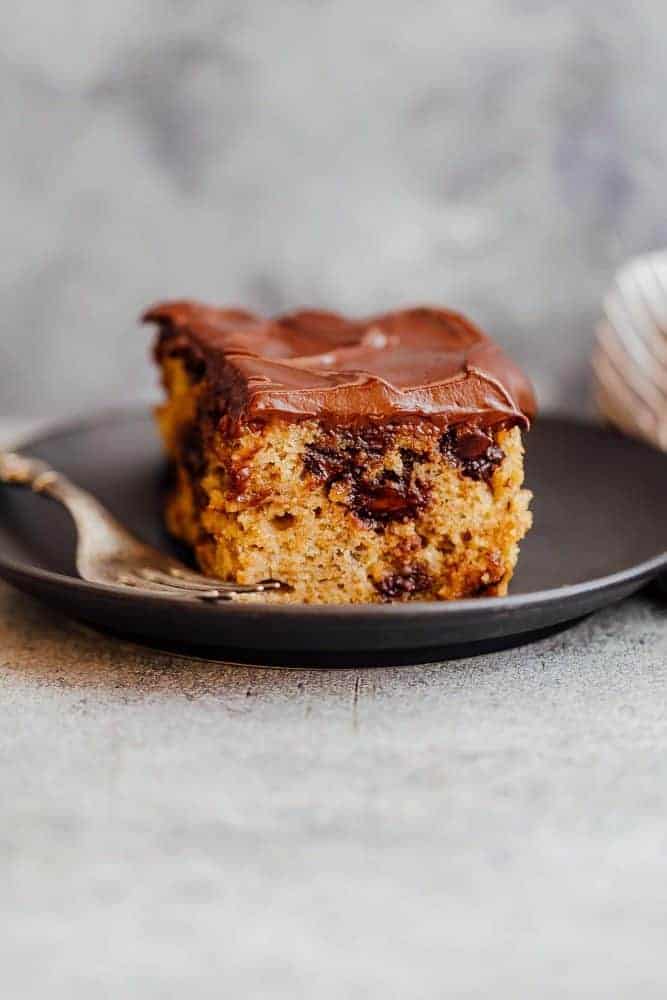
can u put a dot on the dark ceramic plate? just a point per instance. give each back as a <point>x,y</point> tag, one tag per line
<point>600,533</point>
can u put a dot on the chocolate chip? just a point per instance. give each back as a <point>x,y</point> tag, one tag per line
<point>409,581</point>
<point>343,456</point>
<point>473,450</point>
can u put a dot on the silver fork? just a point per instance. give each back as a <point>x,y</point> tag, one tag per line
<point>107,553</point>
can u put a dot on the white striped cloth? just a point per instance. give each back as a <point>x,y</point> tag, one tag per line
<point>630,357</point>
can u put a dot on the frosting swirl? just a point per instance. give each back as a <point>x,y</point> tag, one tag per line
<point>414,363</point>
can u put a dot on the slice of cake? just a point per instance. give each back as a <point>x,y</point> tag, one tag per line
<point>355,460</point>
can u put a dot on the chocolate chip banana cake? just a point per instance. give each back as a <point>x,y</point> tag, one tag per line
<point>355,460</point>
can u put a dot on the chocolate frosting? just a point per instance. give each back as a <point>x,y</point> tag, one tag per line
<point>409,364</point>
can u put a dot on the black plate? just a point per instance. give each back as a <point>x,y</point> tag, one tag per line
<point>600,533</point>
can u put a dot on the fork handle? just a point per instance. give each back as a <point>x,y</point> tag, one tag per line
<point>41,478</point>
<point>19,470</point>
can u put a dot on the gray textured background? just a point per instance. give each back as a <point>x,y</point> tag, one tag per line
<point>502,157</point>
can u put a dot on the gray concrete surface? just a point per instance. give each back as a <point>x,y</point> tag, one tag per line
<point>503,156</point>
<point>494,827</point>
<point>486,828</point>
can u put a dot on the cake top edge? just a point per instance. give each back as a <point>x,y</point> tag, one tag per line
<point>423,361</point>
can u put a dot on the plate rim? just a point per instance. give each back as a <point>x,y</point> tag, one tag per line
<point>643,571</point>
